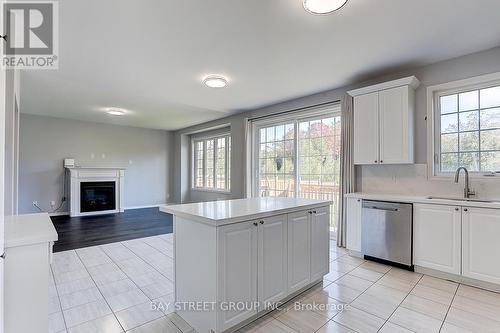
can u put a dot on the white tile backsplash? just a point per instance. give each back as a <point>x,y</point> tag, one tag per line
<point>413,180</point>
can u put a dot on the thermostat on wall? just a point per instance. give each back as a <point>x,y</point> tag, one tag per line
<point>69,162</point>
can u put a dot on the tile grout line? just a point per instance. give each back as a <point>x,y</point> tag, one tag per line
<point>331,282</point>
<point>97,286</point>
<point>409,293</point>
<point>114,314</point>
<point>138,287</point>
<point>449,307</point>
<point>147,262</point>
<point>130,278</point>
<point>58,298</point>
<point>349,303</point>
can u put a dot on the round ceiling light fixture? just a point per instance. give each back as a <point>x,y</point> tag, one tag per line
<point>116,111</point>
<point>323,6</point>
<point>215,81</point>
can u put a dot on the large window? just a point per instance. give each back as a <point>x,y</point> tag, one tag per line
<point>299,156</point>
<point>467,123</point>
<point>211,163</point>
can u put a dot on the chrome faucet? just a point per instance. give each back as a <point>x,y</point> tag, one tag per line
<point>467,190</point>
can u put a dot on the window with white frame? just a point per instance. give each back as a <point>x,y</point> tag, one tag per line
<point>297,155</point>
<point>211,163</point>
<point>467,123</point>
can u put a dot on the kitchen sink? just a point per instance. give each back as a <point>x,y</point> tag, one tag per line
<point>463,199</point>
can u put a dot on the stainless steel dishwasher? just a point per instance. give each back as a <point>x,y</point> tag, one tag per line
<point>387,232</point>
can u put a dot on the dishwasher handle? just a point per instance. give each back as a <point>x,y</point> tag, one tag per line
<point>383,208</point>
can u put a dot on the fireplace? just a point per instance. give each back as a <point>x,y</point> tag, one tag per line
<point>97,196</point>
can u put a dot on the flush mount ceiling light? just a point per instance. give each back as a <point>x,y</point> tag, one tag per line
<point>215,81</point>
<point>116,111</point>
<point>323,6</point>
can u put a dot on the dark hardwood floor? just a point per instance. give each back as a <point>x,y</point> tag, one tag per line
<point>77,232</point>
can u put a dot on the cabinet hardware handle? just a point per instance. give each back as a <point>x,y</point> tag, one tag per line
<point>310,212</point>
<point>255,223</point>
<point>466,210</point>
<point>376,161</point>
<point>261,222</point>
<point>314,212</point>
<point>456,208</point>
<point>381,161</point>
<point>359,200</point>
<point>3,255</point>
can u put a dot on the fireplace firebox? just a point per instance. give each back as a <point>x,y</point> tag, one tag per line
<point>97,196</point>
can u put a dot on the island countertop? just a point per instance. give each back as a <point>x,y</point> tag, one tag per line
<point>29,229</point>
<point>223,212</point>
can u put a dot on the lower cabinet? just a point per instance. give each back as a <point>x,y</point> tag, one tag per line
<point>320,242</point>
<point>353,228</point>
<point>457,240</point>
<point>237,270</point>
<point>480,244</point>
<point>299,250</point>
<point>436,237</point>
<point>272,260</point>
<point>264,261</point>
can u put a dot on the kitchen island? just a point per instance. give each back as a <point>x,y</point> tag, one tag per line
<point>237,259</point>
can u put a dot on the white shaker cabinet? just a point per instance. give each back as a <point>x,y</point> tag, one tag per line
<point>272,259</point>
<point>396,125</point>
<point>353,228</point>
<point>383,122</point>
<point>237,270</point>
<point>245,256</point>
<point>480,244</point>
<point>299,250</point>
<point>320,242</point>
<point>436,237</point>
<point>366,129</point>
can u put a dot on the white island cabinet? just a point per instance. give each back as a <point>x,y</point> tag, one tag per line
<point>28,250</point>
<point>236,259</point>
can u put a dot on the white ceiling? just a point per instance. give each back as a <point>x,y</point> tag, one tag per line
<point>149,56</point>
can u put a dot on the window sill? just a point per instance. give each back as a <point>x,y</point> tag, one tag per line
<point>210,190</point>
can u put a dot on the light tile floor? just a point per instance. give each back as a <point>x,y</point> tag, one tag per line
<point>111,288</point>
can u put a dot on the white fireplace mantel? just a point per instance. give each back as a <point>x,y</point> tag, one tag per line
<point>95,174</point>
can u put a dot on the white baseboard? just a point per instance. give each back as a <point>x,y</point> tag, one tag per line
<point>145,206</point>
<point>59,214</point>
<point>126,208</point>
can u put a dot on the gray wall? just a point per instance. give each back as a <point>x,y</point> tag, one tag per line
<point>46,141</point>
<point>454,69</point>
<point>12,95</point>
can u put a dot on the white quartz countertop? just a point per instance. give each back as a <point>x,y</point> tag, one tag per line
<point>231,211</point>
<point>29,229</point>
<point>437,199</point>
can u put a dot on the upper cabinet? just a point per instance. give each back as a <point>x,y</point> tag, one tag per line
<point>383,122</point>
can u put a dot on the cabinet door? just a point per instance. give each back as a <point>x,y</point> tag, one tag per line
<point>320,242</point>
<point>480,246</point>
<point>299,251</point>
<point>353,229</point>
<point>396,126</point>
<point>436,237</point>
<point>237,271</point>
<point>366,129</point>
<point>272,260</point>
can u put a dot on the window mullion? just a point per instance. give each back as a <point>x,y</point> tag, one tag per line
<point>479,129</point>
<point>226,162</point>
<point>296,157</point>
